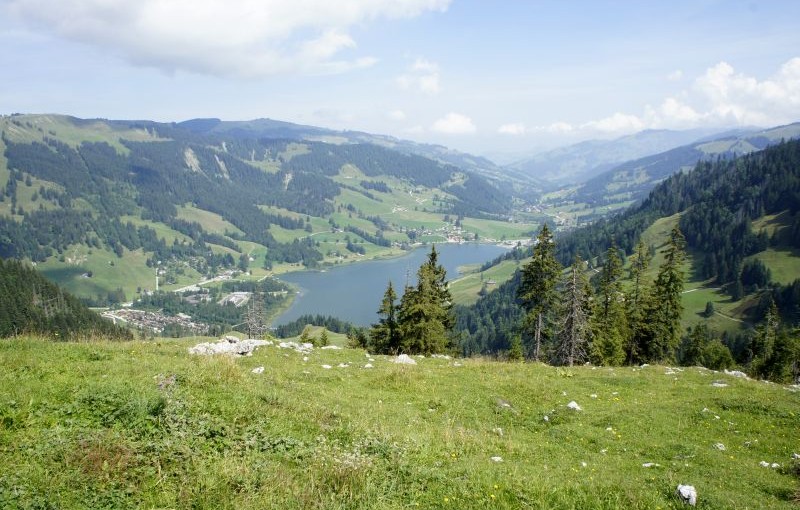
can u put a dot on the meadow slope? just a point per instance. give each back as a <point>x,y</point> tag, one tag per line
<point>145,424</point>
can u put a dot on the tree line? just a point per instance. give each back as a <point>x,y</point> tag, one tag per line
<point>421,321</point>
<point>31,304</point>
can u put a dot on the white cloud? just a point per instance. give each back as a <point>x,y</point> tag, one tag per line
<point>559,127</point>
<point>516,128</point>
<point>454,124</point>
<point>221,37</point>
<point>737,98</point>
<point>617,123</point>
<point>397,115</point>
<point>422,75</point>
<point>675,75</point>
<point>719,97</point>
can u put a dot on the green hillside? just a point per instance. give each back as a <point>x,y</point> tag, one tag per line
<point>29,303</point>
<point>626,182</point>
<point>120,200</point>
<point>145,424</point>
<point>740,220</point>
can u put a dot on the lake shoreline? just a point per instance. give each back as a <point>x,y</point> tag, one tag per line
<point>351,291</point>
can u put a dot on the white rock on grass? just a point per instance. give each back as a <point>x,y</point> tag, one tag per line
<point>719,384</point>
<point>574,406</point>
<point>304,348</point>
<point>327,367</point>
<point>497,459</point>
<point>440,356</point>
<point>331,348</point>
<point>736,373</point>
<point>796,456</point>
<point>650,464</point>
<point>404,359</point>
<point>368,365</point>
<point>258,370</point>
<point>688,494</point>
<point>719,446</point>
<point>228,345</point>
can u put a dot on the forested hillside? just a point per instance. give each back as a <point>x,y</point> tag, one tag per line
<point>189,201</point>
<point>716,207</point>
<point>29,303</point>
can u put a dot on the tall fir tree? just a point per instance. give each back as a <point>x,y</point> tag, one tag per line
<point>385,335</point>
<point>574,333</point>
<point>769,349</point>
<point>536,291</point>
<point>665,307</point>
<point>609,324</point>
<point>635,305</point>
<point>425,314</point>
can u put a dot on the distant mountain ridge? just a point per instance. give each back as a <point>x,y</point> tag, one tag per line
<point>582,161</point>
<point>633,179</point>
<point>506,178</point>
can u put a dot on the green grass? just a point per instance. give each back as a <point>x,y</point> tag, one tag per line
<point>493,229</point>
<point>144,424</point>
<point>210,222</point>
<point>783,263</point>
<point>465,289</point>
<point>60,127</point>
<point>108,271</point>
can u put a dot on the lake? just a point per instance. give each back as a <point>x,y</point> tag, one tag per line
<point>353,292</point>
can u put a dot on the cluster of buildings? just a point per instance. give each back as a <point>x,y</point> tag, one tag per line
<point>156,322</point>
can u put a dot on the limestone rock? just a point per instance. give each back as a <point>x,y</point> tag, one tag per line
<point>404,359</point>
<point>228,345</point>
<point>688,494</point>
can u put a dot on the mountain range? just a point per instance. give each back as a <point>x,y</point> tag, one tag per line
<point>101,205</point>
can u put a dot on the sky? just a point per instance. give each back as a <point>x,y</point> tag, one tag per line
<point>502,78</point>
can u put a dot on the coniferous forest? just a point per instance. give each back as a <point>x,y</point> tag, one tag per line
<point>30,304</point>
<point>547,309</point>
<point>590,294</point>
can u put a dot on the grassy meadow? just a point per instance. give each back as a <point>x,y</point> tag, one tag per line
<point>145,424</point>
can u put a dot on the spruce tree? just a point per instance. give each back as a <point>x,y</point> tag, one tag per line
<point>635,305</point>
<point>609,321</point>
<point>665,304</point>
<point>385,335</point>
<point>574,333</point>
<point>536,291</point>
<point>425,317</point>
<point>763,343</point>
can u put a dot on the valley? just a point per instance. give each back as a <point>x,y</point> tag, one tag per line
<point>403,254</point>
<point>203,207</point>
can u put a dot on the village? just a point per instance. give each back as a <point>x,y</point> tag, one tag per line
<point>155,322</point>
